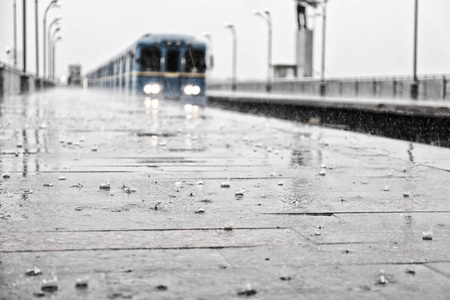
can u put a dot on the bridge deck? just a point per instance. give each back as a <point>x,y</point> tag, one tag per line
<point>309,213</point>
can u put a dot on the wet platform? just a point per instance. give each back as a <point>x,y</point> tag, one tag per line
<point>212,204</point>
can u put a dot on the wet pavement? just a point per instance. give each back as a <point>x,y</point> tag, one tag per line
<point>211,204</point>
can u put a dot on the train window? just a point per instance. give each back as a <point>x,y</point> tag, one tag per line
<point>151,59</point>
<point>172,60</point>
<point>195,61</point>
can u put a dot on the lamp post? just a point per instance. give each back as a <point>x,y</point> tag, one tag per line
<point>37,37</point>
<point>50,5</point>
<point>207,35</point>
<point>24,36</point>
<point>323,87</point>
<point>50,48</point>
<point>266,16</point>
<point>414,89</point>
<point>55,41</point>
<point>55,21</point>
<point>15,32</point>
<point>234,65</point>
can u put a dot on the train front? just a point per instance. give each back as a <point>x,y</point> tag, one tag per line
<point>172,67</point>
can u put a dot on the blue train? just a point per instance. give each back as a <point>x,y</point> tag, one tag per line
<point>160,66</point>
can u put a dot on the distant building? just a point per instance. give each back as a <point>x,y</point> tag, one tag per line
<point>284,71</point>
<point>74,77</point>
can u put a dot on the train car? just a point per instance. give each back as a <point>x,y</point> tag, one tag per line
<point>160,66</point>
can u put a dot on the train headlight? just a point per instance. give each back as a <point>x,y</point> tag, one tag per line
<point>191,90</point>
<point>152,88</point>
<point>195,90</point>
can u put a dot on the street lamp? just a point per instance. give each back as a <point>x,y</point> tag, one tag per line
<point>415,85</point>
<point>207,35</point>
<point>58,38</point>
<point>234,66</point>
<point>266,16</point>
<point>50,47</point>
<point>55,21</point>
<point>53,3</point>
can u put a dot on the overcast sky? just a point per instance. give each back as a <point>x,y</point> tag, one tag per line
<point>364,37</point>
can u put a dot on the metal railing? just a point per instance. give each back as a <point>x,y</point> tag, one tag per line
<point>431,87</point>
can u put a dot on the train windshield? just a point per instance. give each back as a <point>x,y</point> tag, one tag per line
<point>195,61</point>
<point>173,57</point>
<point>151,59</point>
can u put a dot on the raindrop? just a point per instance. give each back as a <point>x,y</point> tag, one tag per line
<point>27,192</point>
<point>128,189</point>
<point>156,206</point>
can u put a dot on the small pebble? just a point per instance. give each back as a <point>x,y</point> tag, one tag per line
<point>48,184</point>
<point>200,211</point>
<point>81,284</point>
<point>62,178</point>
<point>33,272</point>
<point>49,286</point>
<point>105,186</point>
<point>161,288</point>
<point>6,175</point>
<point>225,185</point>
<point>322,173</point>
<point>427,236</point>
